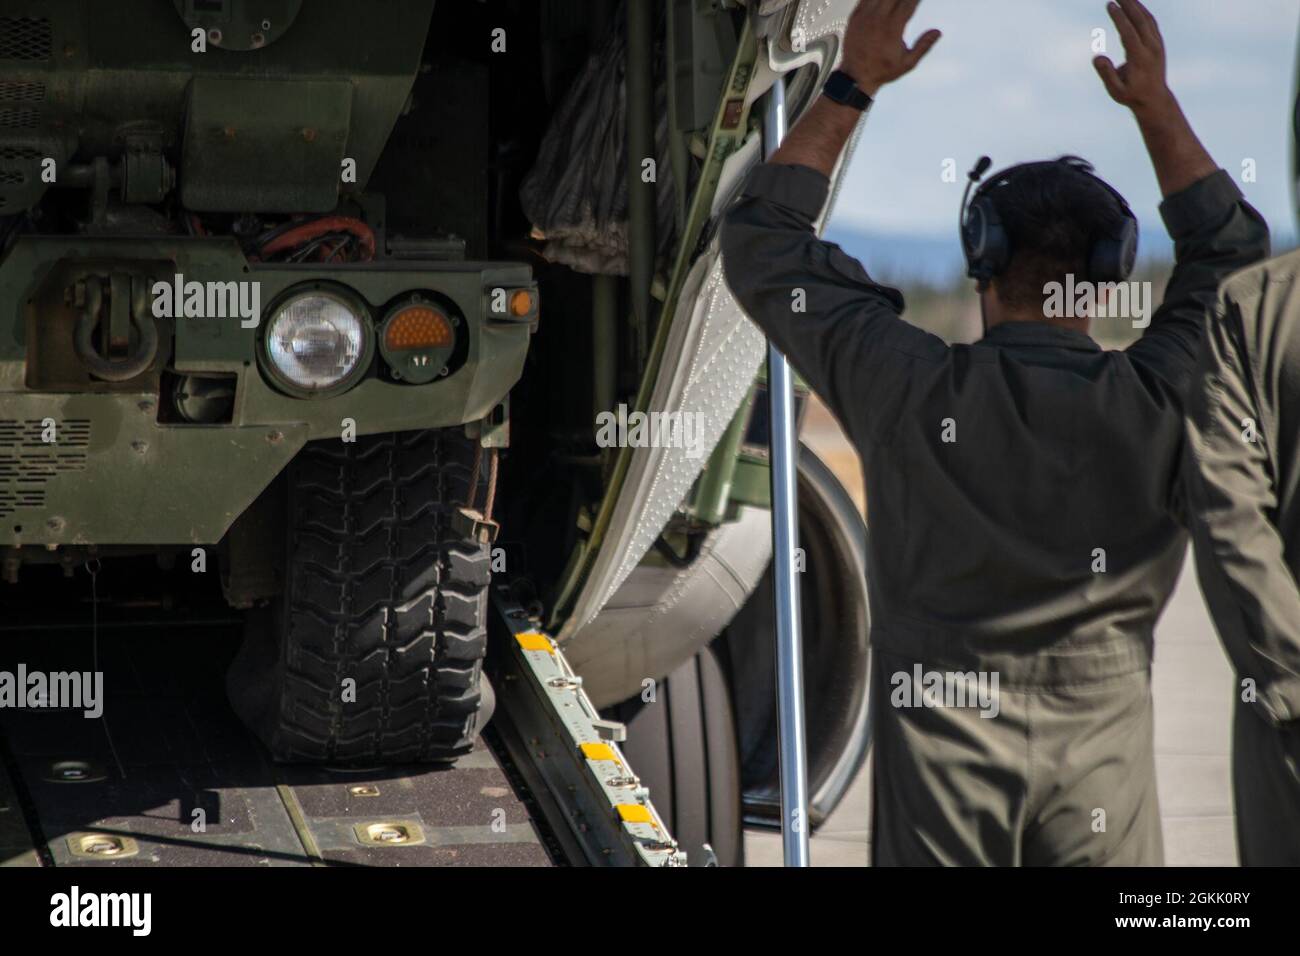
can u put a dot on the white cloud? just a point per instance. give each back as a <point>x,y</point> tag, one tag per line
<point>1013,79</point>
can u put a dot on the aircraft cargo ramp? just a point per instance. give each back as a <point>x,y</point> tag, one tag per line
<point>169,777</point>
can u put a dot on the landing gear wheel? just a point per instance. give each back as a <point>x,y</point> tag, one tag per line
<point>372,654</point>
<point>684,748</point>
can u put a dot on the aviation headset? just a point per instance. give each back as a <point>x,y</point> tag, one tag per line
<point>987,247</point>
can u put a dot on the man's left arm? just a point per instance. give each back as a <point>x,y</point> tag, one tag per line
<point>840,330</point>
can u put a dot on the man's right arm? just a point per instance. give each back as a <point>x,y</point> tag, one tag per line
<point>1176,154</point>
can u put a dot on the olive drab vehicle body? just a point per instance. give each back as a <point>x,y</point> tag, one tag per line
<point>111,107</point>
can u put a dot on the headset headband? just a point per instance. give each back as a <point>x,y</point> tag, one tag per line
<point>1076,163</point>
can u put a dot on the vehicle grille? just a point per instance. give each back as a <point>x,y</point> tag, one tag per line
<point>32,91</point>
<point>25,38</point>
<point>19,170</point>
<point>27,462</point>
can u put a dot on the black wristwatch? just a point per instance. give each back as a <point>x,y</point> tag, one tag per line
<point>843,90</point>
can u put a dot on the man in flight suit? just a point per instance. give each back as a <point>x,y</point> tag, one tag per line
<point>1021,490</point>
<point>1243,494</point>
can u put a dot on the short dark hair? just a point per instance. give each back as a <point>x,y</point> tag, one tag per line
<point>1052,214</point>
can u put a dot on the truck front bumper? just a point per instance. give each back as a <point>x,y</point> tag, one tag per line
<point>119,470</point>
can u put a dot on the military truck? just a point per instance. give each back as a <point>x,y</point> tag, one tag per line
<point>321,306</point>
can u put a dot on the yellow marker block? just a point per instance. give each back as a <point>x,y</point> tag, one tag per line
<point>533,641</point>
<point>635,813</point>
<point>598,752</point>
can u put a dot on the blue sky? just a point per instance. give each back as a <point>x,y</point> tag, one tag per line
<point>1013,79</point>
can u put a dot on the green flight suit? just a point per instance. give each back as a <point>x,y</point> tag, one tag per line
<point>1022,499</point>
<point>1243,493</point>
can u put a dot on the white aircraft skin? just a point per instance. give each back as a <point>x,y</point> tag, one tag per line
<point>710,363</point>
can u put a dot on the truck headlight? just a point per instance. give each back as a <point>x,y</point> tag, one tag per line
<point>317,342</point>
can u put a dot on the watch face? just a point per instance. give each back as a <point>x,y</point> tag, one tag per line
<point>839,86</point>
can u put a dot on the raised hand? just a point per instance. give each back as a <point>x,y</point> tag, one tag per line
<point>874,51</point>
<point>1177,155</point>
<point>1140,83</point>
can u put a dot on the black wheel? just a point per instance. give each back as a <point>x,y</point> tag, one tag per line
<point>372,653</point>
<point>836,650</point>
<point>683,746</point>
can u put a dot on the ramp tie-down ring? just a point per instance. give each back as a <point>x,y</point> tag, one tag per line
<point>115,370</point>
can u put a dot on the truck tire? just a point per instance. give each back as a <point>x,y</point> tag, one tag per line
<point>379,588</point>
<point>684,747</point>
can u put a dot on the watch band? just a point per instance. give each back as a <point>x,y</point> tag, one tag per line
<point>841,88</point>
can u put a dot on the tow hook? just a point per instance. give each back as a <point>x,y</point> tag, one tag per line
<point>127,309</point>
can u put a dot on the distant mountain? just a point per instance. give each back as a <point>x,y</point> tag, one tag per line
<point>937,260</point>
<point>902,260</point>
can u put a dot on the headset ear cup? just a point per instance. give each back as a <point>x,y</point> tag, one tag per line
<point>1112,260</point>
<point>972,240</point>
<point>1128,248</point>
<point>998,253</point>
<point>1103,263</point>
<point>984,240</point>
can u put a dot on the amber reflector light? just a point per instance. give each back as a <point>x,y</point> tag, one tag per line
<point>417,327</point>
<point>521,303</point>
